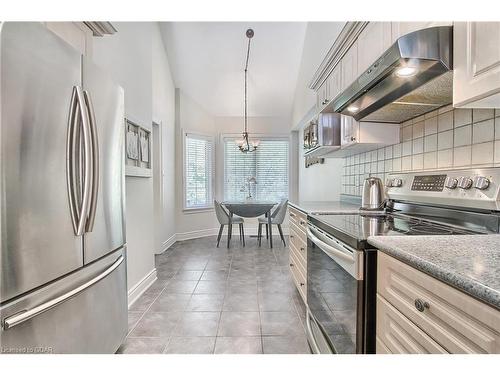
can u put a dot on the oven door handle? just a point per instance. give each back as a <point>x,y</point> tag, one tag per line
<point>317,347</point>
<point>331,249</point>
<point>310,335</point>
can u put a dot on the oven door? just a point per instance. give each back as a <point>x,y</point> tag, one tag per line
<point>334,294</point>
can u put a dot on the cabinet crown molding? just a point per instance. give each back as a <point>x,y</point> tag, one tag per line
<point>344,41</point>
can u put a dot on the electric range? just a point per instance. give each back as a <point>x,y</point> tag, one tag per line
<point>341,264</point>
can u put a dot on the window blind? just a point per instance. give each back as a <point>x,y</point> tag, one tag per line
<point>198,171</point>
<point>268,165</point>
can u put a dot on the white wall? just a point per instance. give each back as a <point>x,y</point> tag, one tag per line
<point>164,114</point>
<point>127,57</point>
<point>318,182</point>
<point>136,59</point>
<point>318,41</point>
<point>190,117</point>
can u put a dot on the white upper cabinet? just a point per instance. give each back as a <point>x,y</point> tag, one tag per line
<point>363,136</point>
<point>375,39</point>
<point>399,29</point>
<point>349,66</point>
<point>330,89</point>
<point>476,60</point>
<point>335,82</point>
<point>321,95</point>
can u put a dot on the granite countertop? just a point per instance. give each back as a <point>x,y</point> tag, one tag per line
<point>317,207</point>
<point>470,263</point>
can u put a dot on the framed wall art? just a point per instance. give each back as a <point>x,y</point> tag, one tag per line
<point>137,150</point>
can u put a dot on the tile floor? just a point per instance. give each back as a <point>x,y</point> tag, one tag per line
<point>219,300</point>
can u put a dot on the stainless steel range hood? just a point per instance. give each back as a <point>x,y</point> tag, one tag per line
<point>413,77</point>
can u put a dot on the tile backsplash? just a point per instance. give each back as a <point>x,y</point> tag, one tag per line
<point>447,138</point>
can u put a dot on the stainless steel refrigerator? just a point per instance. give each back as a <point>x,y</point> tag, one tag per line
<point>62,256</point>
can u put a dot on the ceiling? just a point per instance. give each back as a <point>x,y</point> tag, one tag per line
<point>207,60</point>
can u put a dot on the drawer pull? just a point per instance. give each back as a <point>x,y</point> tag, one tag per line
<point>302,222</point>
<point>292,215</point>
<point>421,305</point>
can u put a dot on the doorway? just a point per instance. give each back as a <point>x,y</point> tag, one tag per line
<point>157,186</point>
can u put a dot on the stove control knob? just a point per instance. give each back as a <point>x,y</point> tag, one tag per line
<point>464,183</point>
<point>389,182</point>
<point>481,183</point>
<point>451,183</point>
<point>397,182</point>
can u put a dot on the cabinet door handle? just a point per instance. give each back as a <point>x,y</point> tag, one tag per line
<point>291,264</point>
<point>302,249</point>
<point>291,236</point>
<point>302,222</point>
<point>421,305</point>
<point>292,214</point>
<point>302,284</point>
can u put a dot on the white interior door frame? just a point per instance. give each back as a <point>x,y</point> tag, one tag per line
<point>158,174</point>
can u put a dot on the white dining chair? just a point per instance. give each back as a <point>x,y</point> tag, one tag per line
<point>277,218</point>
<point>223,218</point>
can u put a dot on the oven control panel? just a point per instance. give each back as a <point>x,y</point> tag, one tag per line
<point>429,182</point>
<point>477,188</point>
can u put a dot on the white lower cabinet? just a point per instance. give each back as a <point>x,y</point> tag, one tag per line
<point>417,313</point>
<point>298,250</point>
<point>397,334</point>
<point>476,63</point>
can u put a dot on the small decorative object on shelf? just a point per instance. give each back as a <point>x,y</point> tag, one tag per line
<point>137,150</point>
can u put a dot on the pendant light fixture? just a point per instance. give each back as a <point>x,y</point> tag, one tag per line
<point>244,144</point>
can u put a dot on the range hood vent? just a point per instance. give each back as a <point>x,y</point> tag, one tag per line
<point>383,93</point>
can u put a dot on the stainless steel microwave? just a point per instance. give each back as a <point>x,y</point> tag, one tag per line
<point>322,136</point>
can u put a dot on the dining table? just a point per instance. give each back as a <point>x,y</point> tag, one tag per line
<point>250,208</point>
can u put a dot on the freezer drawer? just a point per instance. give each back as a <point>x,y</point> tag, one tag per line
<point>86,312</point>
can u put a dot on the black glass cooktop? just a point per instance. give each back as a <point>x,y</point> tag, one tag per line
<point>357,227</point>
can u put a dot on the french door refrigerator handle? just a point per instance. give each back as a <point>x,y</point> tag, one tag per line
<point>87,162</point>
<point>70,159</point>
<point>95,161</point>
<point>25,315</point>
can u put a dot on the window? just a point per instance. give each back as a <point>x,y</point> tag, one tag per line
<point>198,171</point>
<point>268,165</point>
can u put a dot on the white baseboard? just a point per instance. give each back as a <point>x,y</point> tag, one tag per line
<point>252,231</point>
<point>166,244</point>
<point>138,289</point>
<point>196,234</point>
